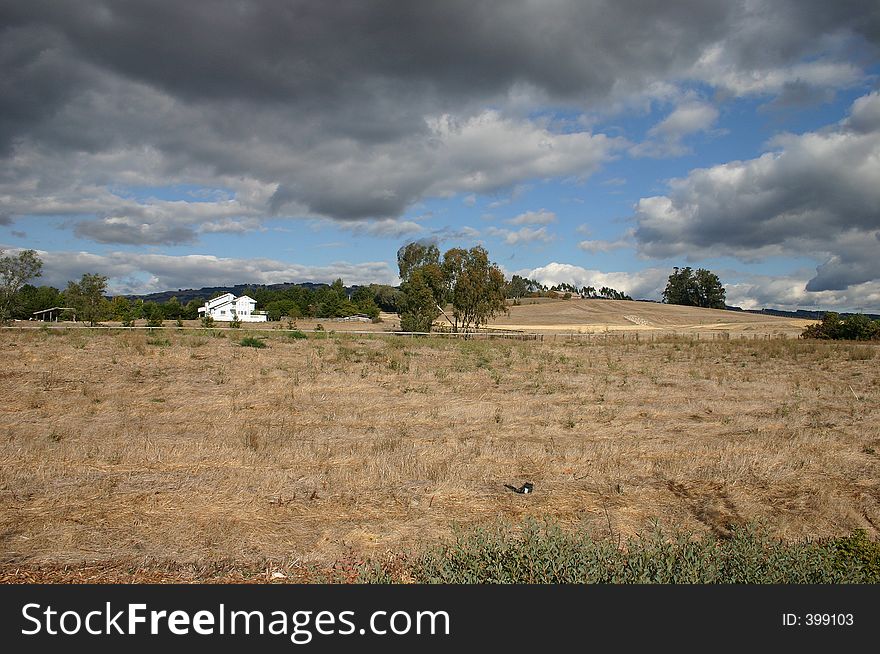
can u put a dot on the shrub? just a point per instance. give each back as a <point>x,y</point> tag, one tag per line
<point>235,323</point>
<point>153,314</point>
<point>250,341</point>
<point>855,327</point>
<point>410,322</point>
<point>207,321</point>
<point>856,551</point>
<point>297,334</point>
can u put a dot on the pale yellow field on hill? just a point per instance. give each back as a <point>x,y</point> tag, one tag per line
<point>615,316</point>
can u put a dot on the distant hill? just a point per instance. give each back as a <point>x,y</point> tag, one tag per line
<point>185,295</point>
<point>800,313</point>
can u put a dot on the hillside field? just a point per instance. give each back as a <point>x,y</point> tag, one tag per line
<point>132,455</point>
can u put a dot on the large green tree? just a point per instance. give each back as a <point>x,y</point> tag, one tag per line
<point>15,270</point>
<point>700,288</point>
<point>476,287</point>
<point>418,305</point>
<point>422,287</point>
<point>34,298</point>
<point>87,296</point>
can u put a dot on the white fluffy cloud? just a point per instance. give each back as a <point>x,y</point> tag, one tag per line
<point>594,246</point>
<point>540,217</point>
<point>644,284</point>
<point>815,195</point>
<point>522,235</point>
<point>665,138</point>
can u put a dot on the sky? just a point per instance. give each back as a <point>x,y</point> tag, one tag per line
<point>172,145</point>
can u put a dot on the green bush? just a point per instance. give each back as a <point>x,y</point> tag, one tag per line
<point>250,341</point>
<point>856,551</point>
<point>855,327</point>
<point>297,334</point>
<point>207,321</point>
<point>235,323</point>
<point>543,553</point>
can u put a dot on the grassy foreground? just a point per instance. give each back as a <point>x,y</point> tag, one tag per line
<point>187,456</point>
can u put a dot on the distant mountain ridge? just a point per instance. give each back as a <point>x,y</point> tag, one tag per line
<point>800,313</point>
<point>185,295</point>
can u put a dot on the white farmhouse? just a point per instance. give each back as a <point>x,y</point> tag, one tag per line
<point>227,307</point>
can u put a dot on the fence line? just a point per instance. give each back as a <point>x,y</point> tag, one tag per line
<point>554,337</point>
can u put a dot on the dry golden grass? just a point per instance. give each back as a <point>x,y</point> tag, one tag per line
<point>186,447</point>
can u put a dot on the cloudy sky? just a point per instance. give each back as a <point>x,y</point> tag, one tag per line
<point>173,144</point>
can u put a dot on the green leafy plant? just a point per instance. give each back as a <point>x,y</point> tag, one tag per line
<point>250,341</point>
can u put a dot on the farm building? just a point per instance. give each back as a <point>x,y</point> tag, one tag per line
<point>54,313</point>
<point>228,307</point>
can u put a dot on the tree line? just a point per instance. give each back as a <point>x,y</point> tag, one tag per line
<point>520,287</point>
<point>463,285</point>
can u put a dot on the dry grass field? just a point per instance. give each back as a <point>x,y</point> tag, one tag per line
<point>130,455</point>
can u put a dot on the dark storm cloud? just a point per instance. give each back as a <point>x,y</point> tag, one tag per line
<point>133,232</point>
<point>356,110</point>
<point>315,51</point>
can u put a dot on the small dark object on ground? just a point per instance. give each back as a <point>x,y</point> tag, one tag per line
<point>525,488</point>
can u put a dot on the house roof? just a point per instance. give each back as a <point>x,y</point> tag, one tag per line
<point>54,309</point>
<point>219,300</point>
<point>226,298</point>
